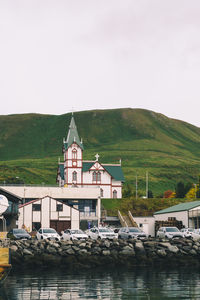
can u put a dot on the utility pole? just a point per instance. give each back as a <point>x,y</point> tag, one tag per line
<point>195,190</point>
<point>147,185</point>
<point>136,187</point>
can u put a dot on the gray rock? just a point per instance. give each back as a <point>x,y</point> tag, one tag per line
<point>82,251</point>
<point>106,252</point>
<point>70,251</point>
<point>66,242</point>
<point>186,248</point>
<point>50,249</point>
<point>75,248</point>
<point>164,244</point>
<point>107,244</point>
<point>161,252</point>
<point>127,251</point>
<point>173,249</point>
<point>195,247</point>
<point>115,243</point>
<point>193,252</point>
<point>139,247</point>
<point>196,238</point>
<point>27,252</point>
<point>96,250</point>
<point>82,245</point>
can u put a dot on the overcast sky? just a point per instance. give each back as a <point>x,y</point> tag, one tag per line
<point>63,55</point>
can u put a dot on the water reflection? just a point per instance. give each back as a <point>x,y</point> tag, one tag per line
<point>142,283</point>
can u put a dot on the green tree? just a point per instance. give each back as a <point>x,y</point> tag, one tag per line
<point>127,190</point>
<point>180,190</point>
<point>150,194</point>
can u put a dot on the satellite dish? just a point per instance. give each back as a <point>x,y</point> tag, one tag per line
<point>3,204</point>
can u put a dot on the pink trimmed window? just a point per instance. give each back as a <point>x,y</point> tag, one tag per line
<point>74,154</point>
<point>94,176</point>
<point>74,176</point>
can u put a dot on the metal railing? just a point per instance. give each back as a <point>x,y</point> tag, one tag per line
<point>122,221</point>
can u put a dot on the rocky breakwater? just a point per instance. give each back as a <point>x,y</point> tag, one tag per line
<point>93,253</point>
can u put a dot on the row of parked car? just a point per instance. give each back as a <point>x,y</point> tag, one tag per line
<point>103,233</point>
<point>174,232</point>
<point>71,234</point>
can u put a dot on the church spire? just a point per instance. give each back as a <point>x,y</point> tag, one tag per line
<point>73,135</point>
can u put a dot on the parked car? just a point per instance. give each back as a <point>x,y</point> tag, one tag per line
<point>169,232</point>
<point>73,234</point>
<point>101,233</point>
<point>47,233</point>
<point>131,232</point>
<point>197,231</point>
<point>188,232</point>
<point>18,234</point>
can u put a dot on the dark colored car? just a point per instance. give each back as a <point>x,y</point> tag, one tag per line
<point>18,234</point>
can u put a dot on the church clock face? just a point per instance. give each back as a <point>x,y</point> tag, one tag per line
<point>74,163</point>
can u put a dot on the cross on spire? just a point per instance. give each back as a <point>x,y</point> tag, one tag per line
<point>97,157</point>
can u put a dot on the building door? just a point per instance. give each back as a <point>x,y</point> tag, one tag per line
<point>145,228</point>
<point>60,225</point>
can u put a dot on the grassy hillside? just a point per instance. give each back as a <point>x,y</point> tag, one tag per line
<point>168,149</point>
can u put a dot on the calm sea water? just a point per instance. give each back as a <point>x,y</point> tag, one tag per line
<point>142,283</point>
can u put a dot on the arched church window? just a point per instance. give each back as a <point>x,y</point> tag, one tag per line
<point>114,194</point>
<point>74,154</point>
<point>94,176</point>
<point>74,176</point>
<point>98,176</point>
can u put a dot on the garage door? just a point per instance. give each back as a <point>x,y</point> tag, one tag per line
<point>60,225</point>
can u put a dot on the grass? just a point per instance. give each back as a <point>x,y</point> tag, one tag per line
<point>168,149</point>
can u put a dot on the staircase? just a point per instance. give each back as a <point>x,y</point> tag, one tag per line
<point>127,221</point>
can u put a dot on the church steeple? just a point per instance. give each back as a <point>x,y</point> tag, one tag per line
<point>72,136</point>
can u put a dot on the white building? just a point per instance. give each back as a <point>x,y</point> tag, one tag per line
<point>74,171</point>
<point>86,200</point>
<point>48,212</point>
<point>146,224</point>
<point>187,212</point>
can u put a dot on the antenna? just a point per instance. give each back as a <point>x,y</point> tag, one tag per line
<point>3,204</point>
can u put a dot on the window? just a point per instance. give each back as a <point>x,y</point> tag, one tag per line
<point>114,194</point>
<point>74,176</point>
<point>36,207</point>
<point>74,154</point>
<point>101,192</point>
<point>98,176</point>
<point>94,176</point>
<point>36,226</point>
<point>59,207</point>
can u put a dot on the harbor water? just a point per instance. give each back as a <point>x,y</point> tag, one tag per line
<point>141,283</point>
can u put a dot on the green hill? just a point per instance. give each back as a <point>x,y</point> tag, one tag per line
<point>168,149</point>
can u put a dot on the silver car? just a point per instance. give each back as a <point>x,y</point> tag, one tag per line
<point>102,233</point>
<point>169,232</point>
<point>131,232</point>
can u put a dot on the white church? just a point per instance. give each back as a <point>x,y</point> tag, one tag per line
<point>78,173</point>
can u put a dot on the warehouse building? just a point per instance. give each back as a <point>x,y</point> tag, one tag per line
<point>187,212</point>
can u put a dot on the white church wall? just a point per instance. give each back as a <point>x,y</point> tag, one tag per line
<point>70,175</point>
